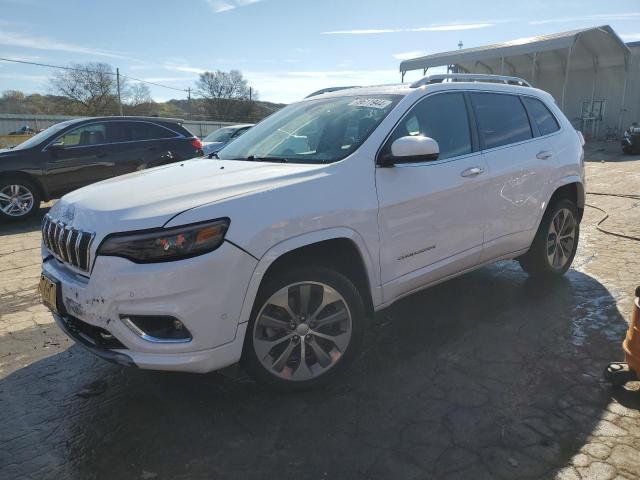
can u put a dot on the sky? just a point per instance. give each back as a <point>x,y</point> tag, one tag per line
<point>285,48</point>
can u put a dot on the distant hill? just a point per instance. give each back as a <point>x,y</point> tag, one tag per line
<point>240,111</point>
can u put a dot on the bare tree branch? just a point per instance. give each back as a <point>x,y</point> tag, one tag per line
<point>92,86</point>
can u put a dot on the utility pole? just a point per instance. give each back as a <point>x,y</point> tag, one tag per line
<point>189,101</point>
<point>119,98</point>
<point>250,93</point>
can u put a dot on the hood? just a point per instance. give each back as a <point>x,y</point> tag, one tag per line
<point>150,198</point>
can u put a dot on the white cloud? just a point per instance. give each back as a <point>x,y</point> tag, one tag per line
<point>184,68</point>
<point>430,28</point>
<point>220,6</point>
<point>23,78</point>
<point>630,37</point>
<point>42,43</point>
<point>408,55</point>
<point>603,17</point>
<point>166,79</point>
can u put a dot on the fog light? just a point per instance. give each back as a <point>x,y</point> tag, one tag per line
<point>157,329</point>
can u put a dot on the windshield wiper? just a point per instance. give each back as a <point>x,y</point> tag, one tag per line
<point>253,158</point>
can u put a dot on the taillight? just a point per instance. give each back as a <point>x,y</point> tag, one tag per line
<point>197,144</point>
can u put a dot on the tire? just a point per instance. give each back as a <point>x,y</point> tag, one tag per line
<point>19,199</point>
<point>279,330</point>
<point>548,260</point>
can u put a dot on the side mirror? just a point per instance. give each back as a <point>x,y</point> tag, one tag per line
<point>57,145</point>
<point>410,149</point>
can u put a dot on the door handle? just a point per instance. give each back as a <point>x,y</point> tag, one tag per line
<point>472,172</point>
<point>544,155</point>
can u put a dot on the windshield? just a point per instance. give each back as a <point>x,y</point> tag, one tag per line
<point>220,135</point>
<point>314,131</point>
<point>43,135</point>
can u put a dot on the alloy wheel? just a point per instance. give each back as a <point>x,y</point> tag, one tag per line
<point>16,200</point>
<point>561,238</point>
<point>302,331</point>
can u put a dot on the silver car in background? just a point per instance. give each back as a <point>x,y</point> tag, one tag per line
<point>218,139</point>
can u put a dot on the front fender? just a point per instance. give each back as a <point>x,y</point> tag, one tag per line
<point>305,239</point>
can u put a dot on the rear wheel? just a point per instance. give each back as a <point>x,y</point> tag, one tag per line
<point>555,243</point>
<point>18,199</point>
<point>306,327</point>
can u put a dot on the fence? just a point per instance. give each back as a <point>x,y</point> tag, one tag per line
<point>10,122</point>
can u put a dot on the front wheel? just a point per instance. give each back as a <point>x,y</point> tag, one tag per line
<point>18,199</point>
<point>555,243</point>
<point>306,327</point>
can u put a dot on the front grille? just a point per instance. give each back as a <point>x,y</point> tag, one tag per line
<point>67,244</point>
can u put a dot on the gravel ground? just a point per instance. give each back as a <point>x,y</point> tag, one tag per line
<point>489,375</point>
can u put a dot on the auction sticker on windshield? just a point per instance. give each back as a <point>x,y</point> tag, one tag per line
<point>380,103</point>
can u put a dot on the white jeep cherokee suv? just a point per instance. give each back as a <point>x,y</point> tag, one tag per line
<point>278,251</point>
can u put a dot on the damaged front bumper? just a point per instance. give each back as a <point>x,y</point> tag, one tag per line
<point>205,293</point>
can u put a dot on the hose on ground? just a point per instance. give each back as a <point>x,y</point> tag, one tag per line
<point>606,214</point>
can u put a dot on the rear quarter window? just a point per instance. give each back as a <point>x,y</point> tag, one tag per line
<point>501,119</point>
<point>148,131</point>
<point>542,116</point>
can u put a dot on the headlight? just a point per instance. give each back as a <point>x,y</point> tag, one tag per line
<point>165,245</point>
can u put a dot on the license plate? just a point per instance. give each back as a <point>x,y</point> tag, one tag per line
<point>49,293</point>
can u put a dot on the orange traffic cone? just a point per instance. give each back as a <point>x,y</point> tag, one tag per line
<point>619,373</point>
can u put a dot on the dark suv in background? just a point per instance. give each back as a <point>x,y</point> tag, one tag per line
<point>75,153</point>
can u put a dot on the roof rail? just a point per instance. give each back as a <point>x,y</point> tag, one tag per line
<point>470,77</point>
<point>330,89</point>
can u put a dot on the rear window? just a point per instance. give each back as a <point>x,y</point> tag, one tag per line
<point>148,131</point>
<point>501,119</point>
<point>544,119</point>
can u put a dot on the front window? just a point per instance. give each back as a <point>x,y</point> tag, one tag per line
<point>442,117</point>
<point>314,131</point>
<point>92,134</point>
<point>38,138</point>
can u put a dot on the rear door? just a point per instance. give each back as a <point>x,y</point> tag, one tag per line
<point>147,145</point>
<point>432,214</point>
<point>84,157</point>
<point>520,163</point>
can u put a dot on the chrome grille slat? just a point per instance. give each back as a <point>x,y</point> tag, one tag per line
<point>46,232</point>
<point>59,241</point>
<point>56,235</point>
<point>45,226</point>
<point>68,244</point>
<point>74,248</point>
<point>50,234</point>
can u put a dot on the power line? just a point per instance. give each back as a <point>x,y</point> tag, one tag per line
<point>74,69</point>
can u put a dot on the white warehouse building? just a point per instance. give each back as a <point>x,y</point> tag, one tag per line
<point>593,75</point>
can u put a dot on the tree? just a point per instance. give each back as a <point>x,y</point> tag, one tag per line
<point>138,94</point>
<point>12,101</point>
<point>91,86</point>
<point>225,93</point>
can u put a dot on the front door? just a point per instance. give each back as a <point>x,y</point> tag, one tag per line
<point>78,158</point>
<point>432,213</point>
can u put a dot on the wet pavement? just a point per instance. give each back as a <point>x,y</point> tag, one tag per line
<point>489,375</point>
